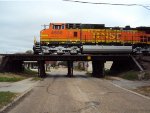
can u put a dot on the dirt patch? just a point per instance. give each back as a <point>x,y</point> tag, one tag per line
<point>110,78</point>
<point>145,90</point>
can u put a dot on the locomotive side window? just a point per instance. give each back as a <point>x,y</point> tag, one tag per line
<point>145,39</point>
<point>73,26</point>
<point>148,39</point>
<point>56,26</point>
<point>75,34</point>
<point>141,39</point>
<point>63,26</point>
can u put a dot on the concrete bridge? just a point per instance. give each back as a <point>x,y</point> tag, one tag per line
<point>14,62</point>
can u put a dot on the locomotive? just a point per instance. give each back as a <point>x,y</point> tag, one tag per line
<point>77,38</point>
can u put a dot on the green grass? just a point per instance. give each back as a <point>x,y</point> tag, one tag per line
<point>133,75</point>
<point>10,79</point>
<point>147,76</point>
<point>130,75</point>
<point>28,71</point>
<point>14,77</point>
<point>6,97</point>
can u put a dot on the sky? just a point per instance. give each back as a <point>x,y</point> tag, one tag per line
<point>22,20</point>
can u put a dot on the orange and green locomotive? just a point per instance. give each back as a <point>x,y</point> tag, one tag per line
<point>75,38</point>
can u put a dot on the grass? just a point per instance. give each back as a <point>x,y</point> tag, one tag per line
<point>10,77</point>
<point>6,97</point>
<point>13,79</point>
<point>135,75</point>
<point>147,76</point>
<point>130,75</point>
<point>30,72</point>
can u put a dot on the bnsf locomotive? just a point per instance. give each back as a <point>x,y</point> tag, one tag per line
<point>75,38</point>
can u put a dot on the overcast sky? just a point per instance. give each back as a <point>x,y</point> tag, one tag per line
<point>21,20</point>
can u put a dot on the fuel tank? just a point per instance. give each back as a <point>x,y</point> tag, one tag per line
<point>106,49</point>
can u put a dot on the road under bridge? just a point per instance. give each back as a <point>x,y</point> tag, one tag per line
<point>14,62</point>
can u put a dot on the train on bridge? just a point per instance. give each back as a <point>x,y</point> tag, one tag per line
<point>77,38</point>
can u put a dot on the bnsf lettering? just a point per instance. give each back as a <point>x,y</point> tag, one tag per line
<point>110,36</point>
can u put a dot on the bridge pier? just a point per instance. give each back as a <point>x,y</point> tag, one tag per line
<point>98,69</point>
<point>41,69</point>
<point>70,68</point>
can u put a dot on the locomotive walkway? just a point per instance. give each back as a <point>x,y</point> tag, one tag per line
<point>13,62</point>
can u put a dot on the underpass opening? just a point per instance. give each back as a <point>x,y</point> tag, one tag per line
<point>66,69</point>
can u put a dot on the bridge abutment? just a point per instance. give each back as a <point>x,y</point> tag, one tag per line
<point>13,66</point>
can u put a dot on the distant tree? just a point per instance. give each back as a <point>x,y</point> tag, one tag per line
<point>29,52</point>
<point>64,63</point>
<point>1,59</point>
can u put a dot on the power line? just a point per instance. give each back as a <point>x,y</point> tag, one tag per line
<point>100,3</point>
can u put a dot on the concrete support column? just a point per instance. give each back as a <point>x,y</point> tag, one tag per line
<point>70,68</point>
<point>98,69</point>
<point>41,69</point>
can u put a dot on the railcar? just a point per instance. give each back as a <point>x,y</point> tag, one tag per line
<point>77,38</point>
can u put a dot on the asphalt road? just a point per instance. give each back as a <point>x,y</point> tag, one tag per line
<point>81,94</point>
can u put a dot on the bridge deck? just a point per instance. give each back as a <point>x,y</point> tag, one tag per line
<point>30,57</point>
<point>13,62</point>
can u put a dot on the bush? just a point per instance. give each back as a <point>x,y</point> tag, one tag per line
<point>130,75</point>
<point>147,76</point>
<point>30,72</point>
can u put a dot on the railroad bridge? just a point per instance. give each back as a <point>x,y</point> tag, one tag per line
<point>14,62</point>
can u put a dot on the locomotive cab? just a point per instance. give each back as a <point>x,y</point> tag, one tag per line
<point>60,38</point>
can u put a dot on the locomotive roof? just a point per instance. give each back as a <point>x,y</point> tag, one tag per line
<point>100,26</point>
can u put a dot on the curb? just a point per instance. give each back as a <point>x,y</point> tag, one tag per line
<point>5,108</point>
